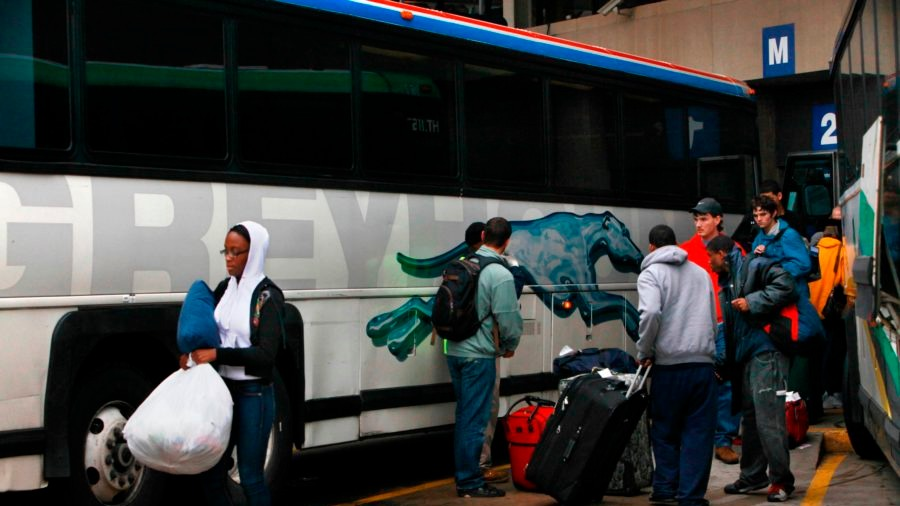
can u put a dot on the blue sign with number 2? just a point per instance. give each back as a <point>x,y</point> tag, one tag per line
<point>824,127</point>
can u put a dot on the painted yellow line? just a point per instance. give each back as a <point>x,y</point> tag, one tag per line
<point>409,490</point>
<point>403,491</point>
<point>819,485</point>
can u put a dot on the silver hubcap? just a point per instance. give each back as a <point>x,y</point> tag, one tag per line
<point>109,467</point>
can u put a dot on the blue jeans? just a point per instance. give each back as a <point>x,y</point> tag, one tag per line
<point>254,413</point>
<point>473,384</point>
<point>683,411</point>
<point>727,424</point>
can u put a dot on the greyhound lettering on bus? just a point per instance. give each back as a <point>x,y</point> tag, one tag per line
<point>77,235</point>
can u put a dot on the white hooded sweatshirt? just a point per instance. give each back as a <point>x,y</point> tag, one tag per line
<point>233,311</point>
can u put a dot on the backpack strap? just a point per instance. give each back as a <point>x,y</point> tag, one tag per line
<point>483,262</point>
<point>837,258</point>
<point>266,286</point>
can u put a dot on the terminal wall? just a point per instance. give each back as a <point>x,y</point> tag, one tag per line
<point>726,37</point>
<point>722,36</point>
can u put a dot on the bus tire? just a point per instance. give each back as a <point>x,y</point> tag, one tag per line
<point>279,453</point>
<point>103,471</point>
<point>862,441</point>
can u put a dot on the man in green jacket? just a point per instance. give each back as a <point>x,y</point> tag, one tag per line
<point>472,362</point>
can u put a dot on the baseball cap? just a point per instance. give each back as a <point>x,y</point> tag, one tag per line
<point>708,205</point>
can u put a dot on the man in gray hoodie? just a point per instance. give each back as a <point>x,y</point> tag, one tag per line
<point>677,333</point>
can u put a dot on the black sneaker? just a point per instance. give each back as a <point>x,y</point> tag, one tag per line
<point>662,499</point>
<point>743,487</point>
<point>482,491</point>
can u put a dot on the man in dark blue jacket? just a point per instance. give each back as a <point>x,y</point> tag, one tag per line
<point>753,289</point>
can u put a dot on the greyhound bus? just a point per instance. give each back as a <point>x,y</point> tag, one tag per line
<point>864,71</point>
<point>366,135</point>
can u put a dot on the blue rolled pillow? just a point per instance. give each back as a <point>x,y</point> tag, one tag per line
<point>197,324</point>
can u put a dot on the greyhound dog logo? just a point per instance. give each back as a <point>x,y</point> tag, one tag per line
<point>558,251</point>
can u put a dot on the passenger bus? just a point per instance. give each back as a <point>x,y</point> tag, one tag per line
<point>864,71</point>
<point>366,136</point>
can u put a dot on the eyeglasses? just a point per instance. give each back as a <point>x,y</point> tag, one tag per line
<point>232,253</point>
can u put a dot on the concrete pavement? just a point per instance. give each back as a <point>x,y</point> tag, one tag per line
<point>825,436</point>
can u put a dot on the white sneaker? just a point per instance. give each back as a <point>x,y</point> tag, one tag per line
<point>832,402</point>
<point>838,400</point>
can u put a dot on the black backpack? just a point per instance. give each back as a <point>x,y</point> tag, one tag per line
<point>454,315</point>
<point>289,362</point>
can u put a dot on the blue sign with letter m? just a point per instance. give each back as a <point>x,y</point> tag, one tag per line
<point>778,50</point>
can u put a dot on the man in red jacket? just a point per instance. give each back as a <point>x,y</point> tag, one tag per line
<point>708,223</point>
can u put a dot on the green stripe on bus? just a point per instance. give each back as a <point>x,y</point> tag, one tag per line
<point>866,226</point>
<point>890,356</point>
<point>16,68</point>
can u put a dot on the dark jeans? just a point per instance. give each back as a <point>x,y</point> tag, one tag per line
<point>727,424</point>
<point>765,433</point>
<point>835,353</point>
<point>473,384</point>
<point>683,412</point>
<point>254,412</point>
<point>805,378</point>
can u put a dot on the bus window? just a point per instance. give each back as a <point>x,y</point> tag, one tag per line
<point>655,143</point>
<point>808,188</point>
<point>585,155</point>
<point>294,97</point>
<point>504,136</point>
<point>407,113</point>
<point>729,179</point>
<point>155,80</point>
<point>34,75</point>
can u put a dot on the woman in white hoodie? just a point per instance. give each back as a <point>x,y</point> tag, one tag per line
<point>249,316</point>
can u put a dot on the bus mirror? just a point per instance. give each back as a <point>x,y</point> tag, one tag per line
<point>865,291</point>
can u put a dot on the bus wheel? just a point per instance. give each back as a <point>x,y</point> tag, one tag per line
<point>103,470</point>
<point>278,451</point>
<point>862,441</point>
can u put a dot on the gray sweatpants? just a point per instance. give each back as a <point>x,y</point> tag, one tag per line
<point>765,442</point>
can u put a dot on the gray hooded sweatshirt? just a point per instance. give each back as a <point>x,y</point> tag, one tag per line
<point>677,309</point>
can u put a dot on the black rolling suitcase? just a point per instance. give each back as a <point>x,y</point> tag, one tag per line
<point>586,436</point>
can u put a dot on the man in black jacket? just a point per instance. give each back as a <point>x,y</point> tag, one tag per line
<point>753,289</point>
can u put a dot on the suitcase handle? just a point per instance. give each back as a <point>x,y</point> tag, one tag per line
<point>639,380</point>
<point>531,400</point>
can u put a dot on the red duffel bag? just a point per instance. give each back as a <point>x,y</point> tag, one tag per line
<point>523,431</point>
<point>796,419</point>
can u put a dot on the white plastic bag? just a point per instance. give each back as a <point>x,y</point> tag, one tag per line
<point>184,424</point>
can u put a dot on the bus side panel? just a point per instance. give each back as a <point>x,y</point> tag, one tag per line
<point>24,347</point>
<point>332,366</point>
<point>21,473</point>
